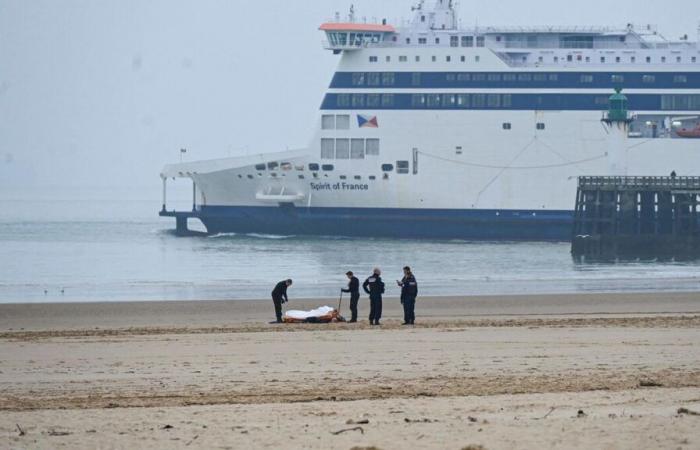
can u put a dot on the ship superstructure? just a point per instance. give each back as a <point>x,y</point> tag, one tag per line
<point>431,130</point>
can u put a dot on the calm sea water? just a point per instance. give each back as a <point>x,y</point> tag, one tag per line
<point>93,247</point>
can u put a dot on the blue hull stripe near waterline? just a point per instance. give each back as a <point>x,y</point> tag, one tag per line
<point>387,222</point>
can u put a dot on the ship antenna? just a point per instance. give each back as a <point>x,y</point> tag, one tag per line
<point>351,17</point>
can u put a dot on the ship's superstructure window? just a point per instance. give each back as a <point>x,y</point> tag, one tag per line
<point>680,102</point>
<point>388,58</point>
<point>422,40</point>
<point>617,59</point>
<point>663,59</point>
<point>342,122</point>
<point>373,78</point>
<point>343,177</point>
<point>648,79</point>
<point>388,78</point>
<point>679,59</point>
<point>358,79</point>
<point>328,167</point>
<point>327,148</point>
<point>272,165</point>
<point>358,100</point>
<point>463,58</point>
<point>602,59</point>
<point>286,166</point>
<point>617,79</point>
<point>402,167</point>
<point>467,41</point>
<point>434,58</point>
<point>343,100</point>
<point>387,100</point>
<point>437,41</point>
<point>403,58</point>
<point>448,58</point>
<point>694,59</point>
<point>250,177</point>
<point>357,149</point>
<point>387,167</point>
<point>328,122</point>
<point>373,100</point>
<point>415,79</point>
<point>540,126</point>
<point>648,59</point>
<point>314,167</point>
<point>680,79</point>
<point>477,58</point>
<point>480,41</point>
<point>358,177</point>
<point>454,41</point>
<point>260,167</point>
<point>372,147</point>
<point>342,149</point>
<point>373,59</point>
<point>417,58</point>
<point>408,41</point>
<point>507,126</point>
<point>372,177</point>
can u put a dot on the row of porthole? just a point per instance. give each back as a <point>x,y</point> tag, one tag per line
<point>386,168</point>
<point>316,175</point>
<point>508,126</point>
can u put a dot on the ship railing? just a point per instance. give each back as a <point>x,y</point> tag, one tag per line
<point>636,182</point>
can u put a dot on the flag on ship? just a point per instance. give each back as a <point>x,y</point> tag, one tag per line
<point>367,121</point>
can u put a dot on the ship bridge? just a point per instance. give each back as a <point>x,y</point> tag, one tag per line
<point>354,36</point>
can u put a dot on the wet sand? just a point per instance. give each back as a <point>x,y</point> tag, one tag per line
<point>503,373</point>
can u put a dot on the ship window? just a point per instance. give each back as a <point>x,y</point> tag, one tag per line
<point>358,100</point>
<point>663,59</point>
<point>343,100</point>
<point>387,167</point>
<point>463,58</point>
<point>299,168</point>
<point>372,147</point>
<point>328,122</point>
<point>463,77</point>
<point>694,59</point>
<point>343,177</point>
<point>373,100</point>
<point>477,58</point>
<point>301,177</point>
<point>373,59</point>
<point>372,177</point>
<point>680,79</point>
<point>388,78</point>
<point>586,78</point>
<point>588,59</point>
<point>633,59</point>
<point>328,167</point>
<point>437,40</point>
<point>602,59</point>
<point>402,167</point>
<point>327,148</point>
<point>315,175</point>
<point>509,77</point>
<point>680,102</point>
<point>540,126</point>
<point>507,126</point>
<point>313,167</point>
<point>417,58</point>
<point>373,79</point>
<point>273,175</point>
<point>494,77</point>
<point>678,59</point>
<point>388,59</point>
<point>448,58</point>
<point>358,177</point>
<point>556,59</point>
<point>358,79</point>
<point>449,100</point>
<point>454,41</point>
<point>422,40</point>
<point>433,100</point>
<point>387,100</point>
<point>648,79</point>
<point>648,59</point>
<point>415,79</point>
<point>408,41</point>
<point>507,100</point>
<point>524,77</point>
<point>357,149</point>
<point>240,176</point>
<point>467,41</point>
<point>250,177</point>
<point>493,101</point>
<point>479,100</point>
<point>260,167</point>
<point>272,165</point>
<point>422,18</point>
<point>618,78</point>
<point>479,77</point>
<point>450,77</point>
<point>434,58</point>
<point>418,100</point>
<point>569,58</point>
<point>463,100</point>
<point>342,122</point>
<point>403,58</point>
<point>539,77</point>
<point>285,166</point>
<point>342,149</point>
<point>480,41</point>
<point>617,59</point>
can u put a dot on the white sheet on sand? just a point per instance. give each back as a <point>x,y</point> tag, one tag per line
<point>303,315</point>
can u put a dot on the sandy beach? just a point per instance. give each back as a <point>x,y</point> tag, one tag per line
<point>577,371</point>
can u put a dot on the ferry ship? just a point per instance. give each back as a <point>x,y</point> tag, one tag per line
<point>431,130</point>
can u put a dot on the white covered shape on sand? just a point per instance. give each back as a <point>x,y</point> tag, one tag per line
<point>303,315</point>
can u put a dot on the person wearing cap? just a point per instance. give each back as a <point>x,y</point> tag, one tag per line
<point>374,286</point>
<point>279,296</point>
<point>409,292</point>
<point>354,290</point>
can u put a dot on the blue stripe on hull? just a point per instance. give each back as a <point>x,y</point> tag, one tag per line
<point>385,222</point>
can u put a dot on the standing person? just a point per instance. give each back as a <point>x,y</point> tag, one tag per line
<point>279,296</point>
<point>374,286</point>
<point>409,292</point>
<point>354,290</point>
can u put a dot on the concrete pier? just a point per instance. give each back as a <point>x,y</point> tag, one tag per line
<point>637,217</point>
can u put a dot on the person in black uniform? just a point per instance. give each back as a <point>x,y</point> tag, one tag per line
<point>354,291</point>
<point>409,292</point>
<point>374,286</point>
<point>279,296</point>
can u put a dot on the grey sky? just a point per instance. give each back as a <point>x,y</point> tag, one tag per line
<point>103,93</point>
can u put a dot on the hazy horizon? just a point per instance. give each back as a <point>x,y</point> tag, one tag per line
<point>102,94</point>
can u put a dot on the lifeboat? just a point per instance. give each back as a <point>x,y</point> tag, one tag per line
<point>689,132</point>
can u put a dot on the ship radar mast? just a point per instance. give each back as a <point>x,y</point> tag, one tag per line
<point>442,17</point>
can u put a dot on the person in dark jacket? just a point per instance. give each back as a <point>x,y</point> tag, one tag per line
<point>279,296</point>
<point>409,292</point>
<point>374,286</point>
<point>354,290</point>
